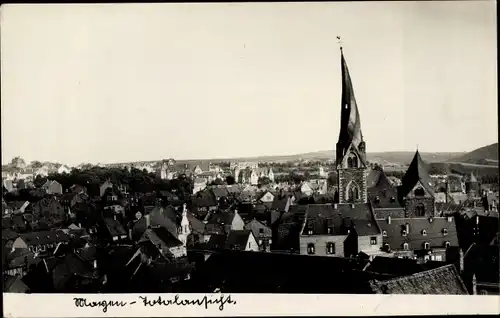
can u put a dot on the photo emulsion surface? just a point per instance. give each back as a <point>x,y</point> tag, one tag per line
<point>272,148</point>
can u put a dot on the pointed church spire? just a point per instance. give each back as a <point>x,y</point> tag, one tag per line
<point>417,172</point>
<point>350,123</point>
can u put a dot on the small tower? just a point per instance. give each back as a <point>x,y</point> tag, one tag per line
<point>270,175</point>
<point>472,186</point>
<point>185,229</point>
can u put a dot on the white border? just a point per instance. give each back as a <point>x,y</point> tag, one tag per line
<point>63,305</point>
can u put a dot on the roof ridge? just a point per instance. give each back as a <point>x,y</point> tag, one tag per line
<point>424,273</point>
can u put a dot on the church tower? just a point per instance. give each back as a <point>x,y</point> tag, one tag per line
<point>351,150</point>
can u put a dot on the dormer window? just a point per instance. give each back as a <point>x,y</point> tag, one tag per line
<point>405,246</point>
<point>392,199</point>
<point>445,232</point>
<point>377,199</point>
<point>447,244</point>
<point>387,247</point>
<point>424,232</point>
<point>384,233</point>
<point>427,246</point>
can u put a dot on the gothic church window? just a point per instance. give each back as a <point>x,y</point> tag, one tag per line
<point>353,193</point>
<point>352,161</point>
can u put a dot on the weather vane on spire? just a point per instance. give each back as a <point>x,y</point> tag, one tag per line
<point>339,41</point>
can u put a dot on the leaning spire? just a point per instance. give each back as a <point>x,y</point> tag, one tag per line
<point>350,122</point>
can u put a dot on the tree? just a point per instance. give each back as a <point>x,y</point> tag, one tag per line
<point>36,164</point>
<point>230,180</point>
<point>17,161</point>
<point>218,182</point>
<point>332,179</point>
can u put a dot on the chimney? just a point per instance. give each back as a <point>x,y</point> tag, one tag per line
<point>148,221</point>
<point>407,225</point>
<point>461,260</point>
<point>389,219</point>
<point>474,285</point>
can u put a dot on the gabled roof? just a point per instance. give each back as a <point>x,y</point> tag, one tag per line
<point>440,281</point>
<point>197,226</point>
<point>256,227</point>
<point>417,171</point>
<point>342,217</point>
<point>158,216</point>
<point>434,232</point>
<point>237,239</point>
<point>220,192</point>
<point>44,237</point>
<point>160,236</point>
<point>204,199</point>
<point>14,284</point>
<point>381,192</point>
<point>114,227</point>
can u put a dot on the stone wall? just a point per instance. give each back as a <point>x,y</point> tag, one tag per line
<point>411,205</point>
<point>345,176</point>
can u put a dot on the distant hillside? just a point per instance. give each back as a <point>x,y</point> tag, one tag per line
<point>386,158</point>
<point>487,155</point>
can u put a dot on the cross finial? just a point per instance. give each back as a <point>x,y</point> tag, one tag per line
<point>339,41</point>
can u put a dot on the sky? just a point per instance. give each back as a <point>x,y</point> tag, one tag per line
<point>134,82</point>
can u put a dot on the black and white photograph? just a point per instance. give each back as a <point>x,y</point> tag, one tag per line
<point>250,148</point>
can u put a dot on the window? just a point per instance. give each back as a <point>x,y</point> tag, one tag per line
<point>405,246</point>
<point>445,232</point>
<point>249,244</point>
<point>330,248</point>
<point>419,209</point>
<point>260,242</point>
<point>373,240</point>
<point>261,231</point>
<point>377,199</point>
<point>384,233</point>
<point>309,231</point>
<point>403,233</point>
<point>424,232</point>
<point>310,248</point>
<point>446,244</point>
<point>439,258</point>
<point>353,193</point>
<point>419,192</point>
<point>330,230</point>
<point>427,246</point>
